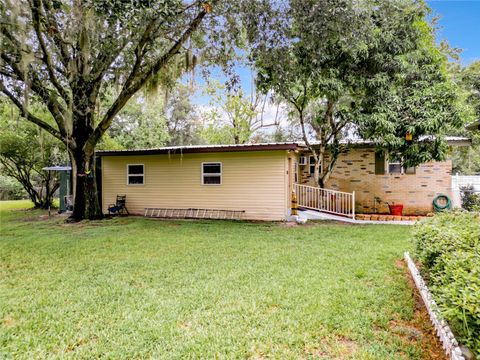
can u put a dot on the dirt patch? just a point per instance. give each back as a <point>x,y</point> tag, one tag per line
<point>257,355</point>
<point>34,218</point>
<point>317,353</point>
<point>74,346</point>
<point>337,347</point>
<point>43,216</point>
<point>79,343</point>
<point>348,347</point>
<point>419,329</point>
<point>8,321</point>
<point>106,221</point>
<point>289,224</point>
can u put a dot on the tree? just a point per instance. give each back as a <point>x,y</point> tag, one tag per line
<point>11,189</point>
<point>183,122</point>
<point>141,124</point>
<point>469,77</point>
<point>421,100</point>
<point>466,160</point>
<point>64,54</point>
<point>345,66</point>
<point>24,151</point>
<point>234,117</point>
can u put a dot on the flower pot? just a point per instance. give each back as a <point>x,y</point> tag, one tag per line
<point>396,209</point>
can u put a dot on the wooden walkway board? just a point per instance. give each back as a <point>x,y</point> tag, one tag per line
<point>192,213</point>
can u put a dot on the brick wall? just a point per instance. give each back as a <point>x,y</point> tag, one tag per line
<point>355,171</point>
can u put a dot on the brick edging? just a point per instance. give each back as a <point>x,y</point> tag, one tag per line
<point>450,344</point>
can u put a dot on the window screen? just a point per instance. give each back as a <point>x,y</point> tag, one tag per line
<point>212,173</point>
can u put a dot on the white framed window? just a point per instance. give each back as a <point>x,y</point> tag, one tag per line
<point>212,173</point>
<point>303,160</point>
<point>135,174</point>
<point>395,165</point>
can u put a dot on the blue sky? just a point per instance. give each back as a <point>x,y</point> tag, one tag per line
<point>460,25</point>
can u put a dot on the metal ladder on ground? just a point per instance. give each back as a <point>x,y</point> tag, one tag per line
<point>193,213</point>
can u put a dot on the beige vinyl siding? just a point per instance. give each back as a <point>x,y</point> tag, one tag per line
<point>252,181</point>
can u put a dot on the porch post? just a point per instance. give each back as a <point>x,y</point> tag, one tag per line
<point>353,205</point>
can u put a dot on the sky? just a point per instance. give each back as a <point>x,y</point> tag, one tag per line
<point>459,25</point>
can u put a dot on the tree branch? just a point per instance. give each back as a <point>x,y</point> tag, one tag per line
<point>42,91</point>
<point>136,84</point>
<point>57,39</point>
<point>29,116</point>
<point>107,57</point>
<point>35,7</point>
<point>139,52</point>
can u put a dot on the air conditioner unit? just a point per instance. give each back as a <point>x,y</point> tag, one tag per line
<point>302,160</point>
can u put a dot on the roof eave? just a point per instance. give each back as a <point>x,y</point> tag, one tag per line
<point>207,149</point>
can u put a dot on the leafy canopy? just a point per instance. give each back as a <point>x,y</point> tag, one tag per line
<point>372,65</point>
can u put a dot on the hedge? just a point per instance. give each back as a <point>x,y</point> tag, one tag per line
<point>448,249</point>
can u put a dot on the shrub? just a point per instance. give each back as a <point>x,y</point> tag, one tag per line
<point>448,248</point>
<point>470,199</point>
<point>11,189</point>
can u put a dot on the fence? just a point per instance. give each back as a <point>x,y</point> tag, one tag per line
<point>459,181</point>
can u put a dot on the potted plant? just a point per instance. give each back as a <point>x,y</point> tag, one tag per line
<point>395,209</point>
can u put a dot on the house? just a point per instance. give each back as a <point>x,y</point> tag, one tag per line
<point>259,179</point>
<point>378,179</point>
<point>255,178</point>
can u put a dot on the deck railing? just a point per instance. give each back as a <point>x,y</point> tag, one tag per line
<point>327,200</point>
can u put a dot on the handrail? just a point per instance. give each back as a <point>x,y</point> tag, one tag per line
<point>327,200</point>
<point>331,190</point>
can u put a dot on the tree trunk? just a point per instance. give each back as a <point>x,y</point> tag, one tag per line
<point>328,169</point>
<point>85,195</point>
<point>320,161</point>
<point>316,173</point>
<point>81,151</point>
<point>33,194</point>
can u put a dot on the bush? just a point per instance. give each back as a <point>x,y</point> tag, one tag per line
<point>448,248</point>
<point>11,189</point>
<point>470,199</point>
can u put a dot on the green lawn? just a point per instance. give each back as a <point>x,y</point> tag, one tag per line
<point>136,288</point>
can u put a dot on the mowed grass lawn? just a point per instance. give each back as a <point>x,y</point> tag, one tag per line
<point>142,288</point>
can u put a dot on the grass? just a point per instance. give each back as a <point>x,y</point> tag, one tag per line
<point>142,288</point>
<point>14,205</point>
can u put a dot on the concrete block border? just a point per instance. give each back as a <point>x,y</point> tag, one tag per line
<point>450,344</point>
